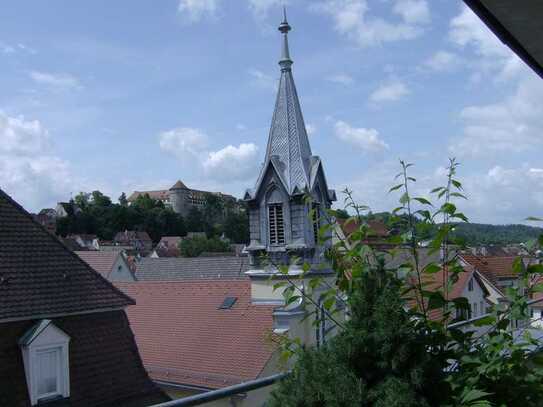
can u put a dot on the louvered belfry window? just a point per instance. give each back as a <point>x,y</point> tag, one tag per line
<point>316,221</point>
<point>276,225</point>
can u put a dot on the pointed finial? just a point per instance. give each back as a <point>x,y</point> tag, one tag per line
<point>284,27</point>
<point>285,62</point>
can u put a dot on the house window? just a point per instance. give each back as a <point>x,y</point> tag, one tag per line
<point>48,372</point>
<point>316,221</point>
<point>45,357</point>
<point>276,225</point>
<point>470,285</point>
<point>474,309</point>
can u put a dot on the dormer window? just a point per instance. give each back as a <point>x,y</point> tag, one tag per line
<point>45,356</point>
<point>276,224</point>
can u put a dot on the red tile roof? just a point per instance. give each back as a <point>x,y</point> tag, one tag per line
<point>184,338</point>
<point>379,229</point>
<point>41,276</point>
<point>160,195</point>
<point>434,282</point>
<point>493,267</point>
<point>101,261</point>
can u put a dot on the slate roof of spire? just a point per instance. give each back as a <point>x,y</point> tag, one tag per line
<point>39,276</point>
<point>288,143</point>
<point>179,185</point>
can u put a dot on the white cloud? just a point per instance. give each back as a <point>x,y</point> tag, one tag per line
<point>262,79</point>
<point>20,136</point>
<point>467,31</point>
<point>496,194</point>
<point>362,138</point>
<point>29,170</point>
<point>341,78</point>
<point>196,10</point>
<point>413,11</point>
<point>310,128</point>
<point>443,61</point>
<point>352,19</point>
<point>389,92</point>
<point>514,124</point>
<point>14,48</point>
<point>183,142</point>
<point>232,163</point>
<point>260,8</point>
<point>191,145</point>
<point>59,80</point>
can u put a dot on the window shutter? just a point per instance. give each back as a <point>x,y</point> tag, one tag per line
<point>276,225</point>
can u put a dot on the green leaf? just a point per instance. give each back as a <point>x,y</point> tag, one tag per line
<point>431,268</point>
<point>535,269</point>
<point>458,195</point>
<point>329,302</point>
<point>436,300</point>
<point>292,299</point>
<point>533,218</point>
<point>488,320</point>
<point>518,265</point>
<point>474,395</point>
<point>457,184</point>
<point>394,188</point>
<point>433,191</point>
<point>448,208</point>
<point>423,201</point>
<point>276,286</point>
<point>404,198</point>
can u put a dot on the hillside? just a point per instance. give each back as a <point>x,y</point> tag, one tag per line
<point>480,233</point>
<point>483,234</point>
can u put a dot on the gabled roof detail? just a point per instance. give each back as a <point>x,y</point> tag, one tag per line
<point>179,185</point>
<point>39,276</point>
<point>288,141</point>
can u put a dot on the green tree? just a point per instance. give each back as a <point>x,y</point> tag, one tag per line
<point>123,201</point>
<point>399,347</point>
<point>236,226</point>
<point>195,246</point>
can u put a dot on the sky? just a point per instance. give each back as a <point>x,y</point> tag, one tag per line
<point>133,95</point>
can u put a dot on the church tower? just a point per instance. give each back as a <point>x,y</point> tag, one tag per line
<point>280,224</point>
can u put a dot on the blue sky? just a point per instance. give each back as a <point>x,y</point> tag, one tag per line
<point>128,95</point>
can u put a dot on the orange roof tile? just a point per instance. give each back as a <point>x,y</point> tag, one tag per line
<point>184,338</point>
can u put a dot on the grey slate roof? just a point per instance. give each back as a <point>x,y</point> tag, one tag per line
<point>182,268</point>
<point>288,136</point>
<point>288,150</point>
<point>39,276</point>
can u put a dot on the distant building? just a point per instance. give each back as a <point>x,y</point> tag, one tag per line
<point>65,339</point>
<point>48,219</point>
<point>64,209</point>
<point>85,240</point>
<point>109,264</point>
<point>180,197</point>
<point>139,241</point>
<point>168,246</point>
<point>377,236</point>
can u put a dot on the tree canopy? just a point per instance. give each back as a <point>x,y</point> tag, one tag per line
<point>99,215</point>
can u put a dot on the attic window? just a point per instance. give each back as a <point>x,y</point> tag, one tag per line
<point>276,226</point>
<point>228,302</point>
<point>470,285</point>
<point>45,357</point>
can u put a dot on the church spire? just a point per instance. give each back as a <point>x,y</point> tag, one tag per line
<point>288,142</point>
<point>285,62</point>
